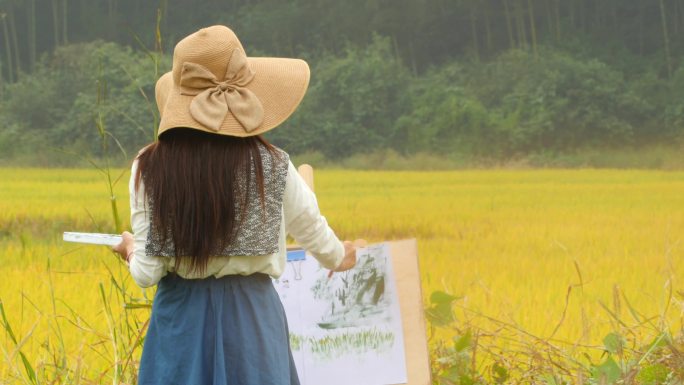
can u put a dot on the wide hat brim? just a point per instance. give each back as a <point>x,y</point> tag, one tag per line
<point>279,83</point>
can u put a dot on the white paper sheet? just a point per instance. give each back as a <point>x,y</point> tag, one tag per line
<point>345,329</point>
<point>93,238</point>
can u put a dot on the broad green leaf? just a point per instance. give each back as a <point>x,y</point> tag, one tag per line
<point>499,373</point>
<point>614,343</point>
<point>463,342</point>
<point>440,298</point>
<point>440,315</point>
<point>653,375</point>
<point>466,380</point>
<point>607,373</point>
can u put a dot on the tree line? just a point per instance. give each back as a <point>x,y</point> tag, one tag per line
<point>483,78</point>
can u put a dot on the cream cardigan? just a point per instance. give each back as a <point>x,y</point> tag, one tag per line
<point>301,218</point>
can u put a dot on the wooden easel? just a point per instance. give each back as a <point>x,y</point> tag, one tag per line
<point>407,276</point>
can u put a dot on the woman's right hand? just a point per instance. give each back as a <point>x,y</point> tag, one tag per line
<point>349,260</point>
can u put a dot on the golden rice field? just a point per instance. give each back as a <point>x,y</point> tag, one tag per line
<point>537,258</point>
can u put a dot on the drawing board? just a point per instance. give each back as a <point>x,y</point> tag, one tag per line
<point>407,277</point>
<point>352,328</point>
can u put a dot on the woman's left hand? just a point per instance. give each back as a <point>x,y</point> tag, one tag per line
<point>126,247</point>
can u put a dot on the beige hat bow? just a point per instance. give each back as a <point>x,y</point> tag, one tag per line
<point>214,99</point>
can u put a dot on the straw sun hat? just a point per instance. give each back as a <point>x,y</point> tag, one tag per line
<point>215,87</point>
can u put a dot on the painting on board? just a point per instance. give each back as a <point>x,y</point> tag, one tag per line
<point>345,329</point>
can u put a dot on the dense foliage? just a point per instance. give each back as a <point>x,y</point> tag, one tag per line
<point>479,79</point>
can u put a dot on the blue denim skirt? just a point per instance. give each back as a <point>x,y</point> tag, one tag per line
<point>229,330</point>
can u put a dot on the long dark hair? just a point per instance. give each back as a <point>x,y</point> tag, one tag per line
<point>190,180</point>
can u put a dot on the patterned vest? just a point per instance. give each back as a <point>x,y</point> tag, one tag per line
<point>258,232</point>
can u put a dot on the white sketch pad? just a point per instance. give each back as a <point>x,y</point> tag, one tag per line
<point>93,238</point>
<point>351,320</point>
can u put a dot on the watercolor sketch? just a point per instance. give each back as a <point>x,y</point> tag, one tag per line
<point>345,329</point>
